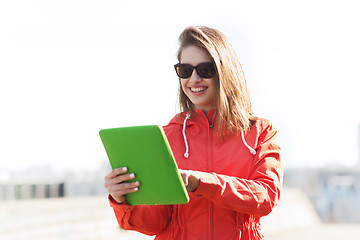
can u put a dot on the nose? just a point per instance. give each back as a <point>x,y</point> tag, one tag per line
<point>194,76</point>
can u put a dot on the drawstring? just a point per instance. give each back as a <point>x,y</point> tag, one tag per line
<point>186,154</point>
<point>253,152</point>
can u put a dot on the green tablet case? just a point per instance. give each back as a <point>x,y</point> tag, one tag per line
<point>145,151</point>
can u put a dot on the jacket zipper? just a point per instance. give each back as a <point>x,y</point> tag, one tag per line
<point>210,169</point>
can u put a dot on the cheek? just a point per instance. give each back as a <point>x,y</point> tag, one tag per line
<point>211,82</point>
<point>214,88</point>
<point>183,84</point>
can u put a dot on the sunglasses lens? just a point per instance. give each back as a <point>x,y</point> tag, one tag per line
<point>183,70</point>
<point>206,70</point>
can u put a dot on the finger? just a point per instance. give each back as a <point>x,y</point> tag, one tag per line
<point>116,172</point>
<point>123,186</point>
<point>122,193</point>
<point>119,199</point>
<point>184,177</point>
<point>119,196</point>
<point>186,181</point>
<point>123,178</point>
<point>119,179</point>
<point>119,191</point>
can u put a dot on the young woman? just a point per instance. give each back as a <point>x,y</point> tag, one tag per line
<point>230,159</point>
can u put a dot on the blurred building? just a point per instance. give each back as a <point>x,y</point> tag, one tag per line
<point>44,183</point>
<point>334,192</point>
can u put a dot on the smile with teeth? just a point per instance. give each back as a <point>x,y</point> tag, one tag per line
<point>198,89</point>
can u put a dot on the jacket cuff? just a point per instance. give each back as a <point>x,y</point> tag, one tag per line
<point>207,186</point>
<point>119,206</point>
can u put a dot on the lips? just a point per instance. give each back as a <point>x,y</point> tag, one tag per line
<point>197,90</point>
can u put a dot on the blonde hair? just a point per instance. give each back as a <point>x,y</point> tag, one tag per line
<point>233,99</point>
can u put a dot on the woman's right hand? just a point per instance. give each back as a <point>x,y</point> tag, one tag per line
<point>116,185</point>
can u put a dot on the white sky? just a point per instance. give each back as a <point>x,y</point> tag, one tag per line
<point>71,68</point>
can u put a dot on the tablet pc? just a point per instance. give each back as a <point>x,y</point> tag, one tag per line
<point>145,151</point>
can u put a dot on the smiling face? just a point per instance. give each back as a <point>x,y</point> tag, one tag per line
<point>200,91</point>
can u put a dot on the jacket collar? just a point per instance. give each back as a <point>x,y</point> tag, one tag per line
<point>198,117</point>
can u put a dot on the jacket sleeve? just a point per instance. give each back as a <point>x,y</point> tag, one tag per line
<point>150,220</point>
<point>260,192</point>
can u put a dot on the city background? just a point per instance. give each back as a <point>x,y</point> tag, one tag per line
<point>71,68</point>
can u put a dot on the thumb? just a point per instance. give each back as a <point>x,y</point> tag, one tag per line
<point>184,176</point>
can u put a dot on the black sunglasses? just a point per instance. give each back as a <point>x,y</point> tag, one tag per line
<point>204,70</point>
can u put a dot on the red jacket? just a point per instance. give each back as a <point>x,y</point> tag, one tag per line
<point>237,187</point>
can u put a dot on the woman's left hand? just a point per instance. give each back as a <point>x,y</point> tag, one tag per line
<point>191,179</point>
